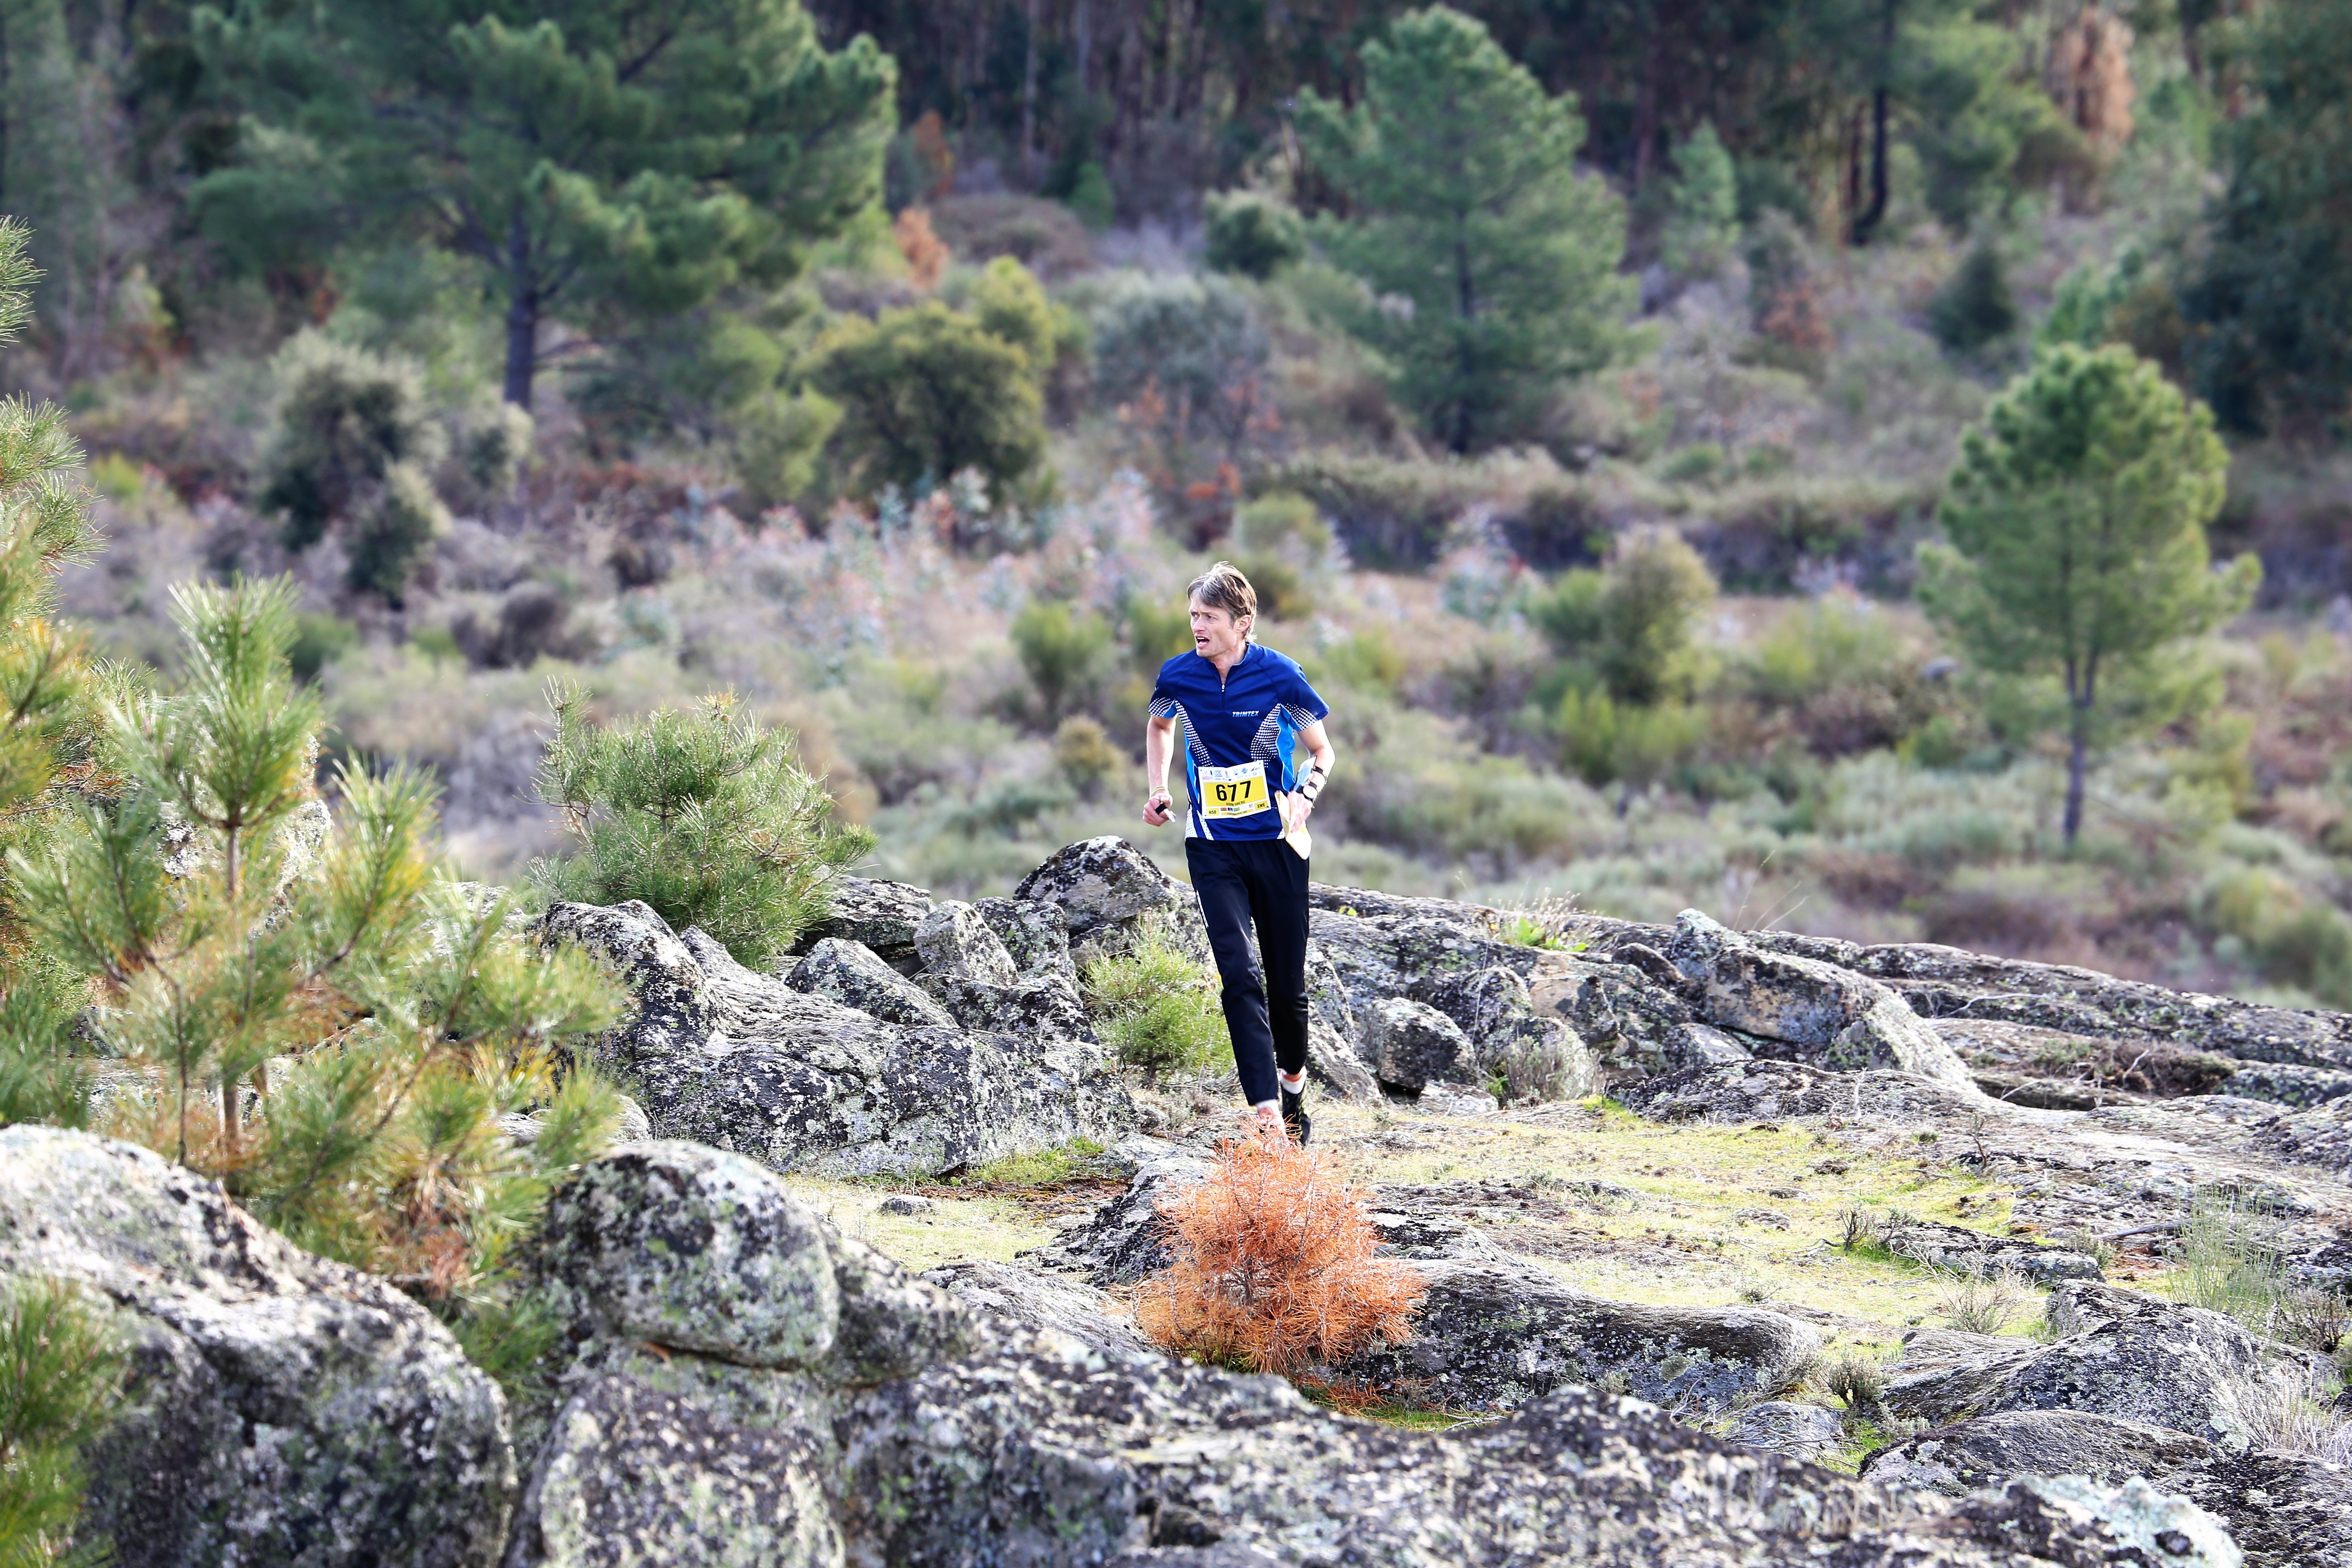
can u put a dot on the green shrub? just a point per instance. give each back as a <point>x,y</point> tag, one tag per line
<point>777,443</point>
<point>926,392</point>
<point>1633,621</point>
<point>1085,754</point>
<point>1252,234</point>
<point>352,442</point>
<point>58,1377</point>
<point>1605,741</point>
<point>1975,307</point>
<point>1064,655</point>
<point>706,814</point>
<point>1157,1007</point>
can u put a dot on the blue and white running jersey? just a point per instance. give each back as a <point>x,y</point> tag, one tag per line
<point>1238,737</point>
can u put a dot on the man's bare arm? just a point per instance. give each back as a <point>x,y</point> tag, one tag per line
<point>1317,741</point>
<point>1158,751</point>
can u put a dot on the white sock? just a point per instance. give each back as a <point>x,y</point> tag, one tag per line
<point>1267,1106</point>
<point>1292,1084</point>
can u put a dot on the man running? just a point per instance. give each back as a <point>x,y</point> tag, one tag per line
<point>1246,721</point>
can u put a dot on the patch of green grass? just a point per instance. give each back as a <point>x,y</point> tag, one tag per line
<point>1041,1168</point>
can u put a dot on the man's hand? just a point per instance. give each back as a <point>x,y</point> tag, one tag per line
<point>1296,809</point>
<point>1155,807</point>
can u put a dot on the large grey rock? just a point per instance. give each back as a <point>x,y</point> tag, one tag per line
<point>956,943</point>
<point>1332,1063</point>
<point>1799,1431</point>
<point>1022,1295</point>
<point>1835,1017</point>
<point>1039,1007</point>
<point>2284,1510</point>
<point>738,1060</point>
<point>854,976</point>
<point>1769,1090</point>
<point>278,1409</point>
<point>1986,1451</point>
<point>634,1477</point>
<point>1494,1335</point>
<point>1539,1058</point>
<point>1378,957</point>
<point>1035,934</point>
<point>1410,1045</point>
<point>2182,1368</point>
<point>697,1249</point>
<point>1100,883</point>
<point>692,1248</point>
<point>1961,1250</point>
<point>876,914</point>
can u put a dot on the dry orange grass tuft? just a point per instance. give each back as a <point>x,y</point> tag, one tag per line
<point>1274,1267</point>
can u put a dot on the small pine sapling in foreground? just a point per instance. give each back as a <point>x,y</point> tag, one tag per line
<point>707,816</point>
<point>58,1376</point>
<point>48,727</point>
<point>302,1005</point>
<point>1276,1267</point>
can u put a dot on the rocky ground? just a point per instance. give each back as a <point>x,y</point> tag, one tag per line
<point>1753,1212</point>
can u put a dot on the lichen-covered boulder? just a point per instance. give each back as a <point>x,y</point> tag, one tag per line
<point>1837,1019</point>
<point>1100,883</point>
<point>1961,1250</point>
<point>1410,1045</point>
<point>1801,1431</point>
<point>876,914</point>
<point>742,1061</point>
<point>1035,934</point>
<point>1378,957</point>
<point>1017,1295</point>
<point>693,1249</point>
<point>1036,1006</point>
<point>854,976</point>
<point>1986,1451</point>
<point>956,943</point>
<point>1769,1090</point>
<point>2182,1368</point>
<point>1499,1335</point>
<point>635,1477</point>
<point>279,1408</point>
<point>1332,1063</point>
<point>2283,1511</point>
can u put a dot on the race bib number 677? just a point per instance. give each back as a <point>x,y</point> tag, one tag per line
<point>1233,792</point>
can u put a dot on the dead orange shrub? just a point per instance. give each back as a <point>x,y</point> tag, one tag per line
<point>1274,1267</point>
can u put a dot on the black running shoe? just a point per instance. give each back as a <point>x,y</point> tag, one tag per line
<point>1294,1119</point>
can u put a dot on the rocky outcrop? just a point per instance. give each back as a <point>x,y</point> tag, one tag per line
<point>854,976</point>
<point>801,1081</point>
<point>1833,1016</point>
<point>962,1432</point>
<point>1106,888</point>
<point>2284,1510</point>
<point>878,915</point>
<point>278,1408</point>
<point>1801,1431</point>
<point>2184,1369</point>
<point>1769,1090</point>
<point>1500,1335</point>
<point>1410,1045</point>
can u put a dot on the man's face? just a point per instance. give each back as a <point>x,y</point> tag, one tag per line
<point>1216,634</point>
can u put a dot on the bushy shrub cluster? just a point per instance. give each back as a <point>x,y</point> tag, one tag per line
<point>1157,1007</point>
<point>704,814</point>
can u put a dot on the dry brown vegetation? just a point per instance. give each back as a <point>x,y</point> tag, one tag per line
<point>1274,1267</point>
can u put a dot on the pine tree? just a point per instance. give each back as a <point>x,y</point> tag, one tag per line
<point>306,1008</point>
<point>48,753</point>
<point>1491,263</point>
<point>596,160</point>
<point>707,816</point>
<point>2077,514</point>
<point>59,1375</point>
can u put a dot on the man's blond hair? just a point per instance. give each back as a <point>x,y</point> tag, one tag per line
<point>1223,587</point>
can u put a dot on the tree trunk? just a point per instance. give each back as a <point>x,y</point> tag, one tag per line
<point>2078,757</point>
<point>1866,225</point>
<point>1029,99</point>
<point>1467,297</point>
<point>523,317</point>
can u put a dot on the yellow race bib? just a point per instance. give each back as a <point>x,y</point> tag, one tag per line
<point>1235,791</point>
